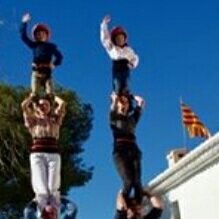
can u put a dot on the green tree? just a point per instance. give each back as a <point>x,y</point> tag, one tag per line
<point>15,188</point>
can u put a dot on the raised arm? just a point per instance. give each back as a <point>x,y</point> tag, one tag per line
<point>138,109</point>
<point>114,100</point>
<point>120,202</point>
<point>60,109</point>
<point>105,34</point>
<point>28,111</point>
<point>26,105</point>
<point>23,30</point>
<point>139,101</point>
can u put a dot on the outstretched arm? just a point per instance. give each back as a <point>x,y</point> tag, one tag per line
<point>23,30</point>
<point>105,34</point>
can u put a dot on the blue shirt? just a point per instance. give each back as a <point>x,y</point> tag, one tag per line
<point>43,52</point>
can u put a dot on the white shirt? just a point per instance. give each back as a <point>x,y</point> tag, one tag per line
<point>116,52</point>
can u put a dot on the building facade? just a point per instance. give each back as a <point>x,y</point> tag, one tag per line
<point>190,185</point>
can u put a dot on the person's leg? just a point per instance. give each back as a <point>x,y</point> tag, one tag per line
<point>137,176</point>
<point>49,86</point>
<point>122,164</point>
<point>39,178</point>
<point>121,82</point>
<point>124,77</point>
<point>54,179</point>
<point>116,85</point>
<point>35,83</point>
<point>119,79</point>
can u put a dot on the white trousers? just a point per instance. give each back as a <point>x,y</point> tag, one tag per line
<point>45,178</point>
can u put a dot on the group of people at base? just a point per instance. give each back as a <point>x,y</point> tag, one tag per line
<point>43,116</point>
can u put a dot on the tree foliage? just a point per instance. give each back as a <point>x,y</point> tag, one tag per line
<point>15,188</point>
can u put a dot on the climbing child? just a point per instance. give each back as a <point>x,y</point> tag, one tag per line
<point>123,57</point>
<point>46,56</point>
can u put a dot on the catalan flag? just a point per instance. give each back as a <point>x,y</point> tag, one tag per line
<point>193,124</point>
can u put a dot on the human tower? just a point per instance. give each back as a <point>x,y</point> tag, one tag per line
<point>43,113</point>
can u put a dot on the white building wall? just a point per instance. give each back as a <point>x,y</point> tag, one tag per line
<point>193,182</point>
<point>198,197</point>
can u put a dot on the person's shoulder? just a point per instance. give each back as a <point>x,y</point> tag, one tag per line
<point>50,44</point>
<point>128,47</point>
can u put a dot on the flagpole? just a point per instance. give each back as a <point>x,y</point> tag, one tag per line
<point>183,126</point>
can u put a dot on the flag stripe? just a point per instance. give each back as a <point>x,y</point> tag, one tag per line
<point>193,124</point>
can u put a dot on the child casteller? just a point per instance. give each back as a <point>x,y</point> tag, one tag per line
<point>46,56</point>
<point>123,56</point>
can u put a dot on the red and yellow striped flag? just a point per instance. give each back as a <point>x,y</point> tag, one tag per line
<point>193,124</point>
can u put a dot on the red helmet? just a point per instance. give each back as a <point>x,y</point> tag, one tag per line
<point>40,27</point>
<point>116,31</point>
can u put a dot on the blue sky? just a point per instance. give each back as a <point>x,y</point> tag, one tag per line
<point>177,42</point>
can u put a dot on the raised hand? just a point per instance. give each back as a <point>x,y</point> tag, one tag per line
<point>107,19</point>
<point>139,100</point>
<point>52,66</point>
<point>26,18</point>
<point>113,97</point>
